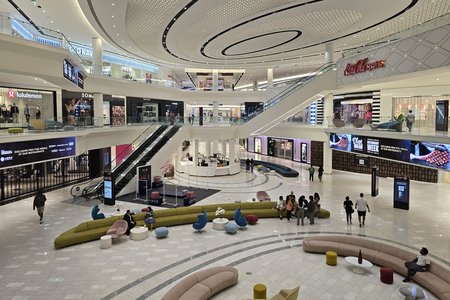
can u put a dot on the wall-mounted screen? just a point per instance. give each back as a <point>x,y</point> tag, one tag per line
<point>73,74</point>
<point>12,154</point>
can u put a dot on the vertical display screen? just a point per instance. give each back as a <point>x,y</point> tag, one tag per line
<point>107,188</point>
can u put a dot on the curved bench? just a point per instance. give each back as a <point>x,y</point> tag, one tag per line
<point>93,230</point>
<point>280,169</point>
<point>203,284</point>
<point>436,279</point>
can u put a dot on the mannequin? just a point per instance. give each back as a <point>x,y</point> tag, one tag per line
<point>14,113</point>
<point>38,112</point>
<point>27,113</point>
<point>3,112</point>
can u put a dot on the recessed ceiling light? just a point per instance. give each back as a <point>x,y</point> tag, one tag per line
<point>118,34</point>
<point>112,16</point>
<point>123,41</point>
<point>112,4</point>
<point>114,26</point>
<point>51,21</point>
<point>43,11</point>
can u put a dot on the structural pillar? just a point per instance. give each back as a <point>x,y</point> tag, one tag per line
<point>98,110</point>
<point>255,86</point>
<point>224,148</point>
<point>215,80</point>
<point>97,60</point>
<point>327,158</point>
<point>329,53</point>
<point>195,152</point>
<point>5,23</point>
<point>328,110</point>
<point>208,148</point>
<point>231,152</point>
<point>215,146</point>
<point>386,109</point>
<point>269,79</point>
<point>215,111</point>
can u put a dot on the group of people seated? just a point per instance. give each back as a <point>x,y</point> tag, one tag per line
<point>149,219</point>
<point>299,209</point>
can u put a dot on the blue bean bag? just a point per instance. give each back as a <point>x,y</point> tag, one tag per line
<point>161,232</point>
<point>230,228</point>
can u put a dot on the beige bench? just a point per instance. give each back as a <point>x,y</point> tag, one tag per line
<point>436,280</point>
<point>203,285</point>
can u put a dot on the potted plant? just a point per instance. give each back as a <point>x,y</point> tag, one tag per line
<point>220,212</point>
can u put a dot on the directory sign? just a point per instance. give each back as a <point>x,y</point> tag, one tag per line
<point>109,197</point>
<point>13,154</point>
<point>401,192</point>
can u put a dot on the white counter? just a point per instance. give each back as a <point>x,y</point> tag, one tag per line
<point>210,171</point>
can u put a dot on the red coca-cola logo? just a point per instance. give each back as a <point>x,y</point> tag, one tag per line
<point>11,94</point>
<point>362,66</point>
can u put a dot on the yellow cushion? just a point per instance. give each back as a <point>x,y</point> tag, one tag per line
<point>331,258</point>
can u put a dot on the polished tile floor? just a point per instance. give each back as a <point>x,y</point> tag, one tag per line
<point>269,252</point>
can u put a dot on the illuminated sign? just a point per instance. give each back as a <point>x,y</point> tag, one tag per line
<point>362,66</point>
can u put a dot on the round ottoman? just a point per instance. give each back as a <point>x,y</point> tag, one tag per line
<point>161,232</point>
<point>259,291</point>
<point>387,275</point>
<point>105,242</point>
<point>139,233</point>
<point>331,258</point>
<point>252,219</point>
<point>230,228</point>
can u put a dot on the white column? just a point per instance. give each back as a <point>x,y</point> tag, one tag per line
<point>328,110</point>
<point>269,79</point>
<point>327,158</point>
<point>215,146</point>
<point>329,53</point>
<point>255,86</point>
<point>224,147</point>
<point>98,109</point>
<point>5,23</point>
<point>215,111</point>
<point>208,148</point>
<point>97,60</point>
<point>195,152</point>
<point>386,109</point>
<point>231,152</point>
<point>59,107</point>
<point>215,80</point>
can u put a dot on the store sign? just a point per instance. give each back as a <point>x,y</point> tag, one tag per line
<point>362,66</point>
<point>12,154</point>
<point>23,95</point>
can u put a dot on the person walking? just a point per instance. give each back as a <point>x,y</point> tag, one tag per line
<point>252,164</point>
<point>247,165</point>
<point>410,119</point>
<point>289,207</point>
<point>39,204</point>
<point>320,173</point>
<point>348,206</point>
<point>311,210</point>
<point>361,205</point>
<point>311,170</point>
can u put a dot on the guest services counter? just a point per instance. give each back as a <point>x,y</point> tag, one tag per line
<point>207,171</point>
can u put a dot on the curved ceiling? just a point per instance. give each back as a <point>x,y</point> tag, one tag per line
<point>250,33</point>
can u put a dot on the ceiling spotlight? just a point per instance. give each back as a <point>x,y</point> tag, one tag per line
<point>34,2</point>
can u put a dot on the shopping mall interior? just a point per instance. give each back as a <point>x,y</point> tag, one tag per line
<point>120,105</point>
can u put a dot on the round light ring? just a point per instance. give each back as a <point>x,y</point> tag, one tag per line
<point>298,33</point>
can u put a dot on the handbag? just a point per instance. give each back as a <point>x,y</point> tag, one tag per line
<point>352,211</point>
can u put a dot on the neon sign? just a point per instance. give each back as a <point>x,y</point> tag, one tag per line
<point>362,66</point>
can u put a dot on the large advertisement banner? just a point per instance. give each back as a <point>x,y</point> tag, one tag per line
<point>428,154</point>
<point>12,154</point>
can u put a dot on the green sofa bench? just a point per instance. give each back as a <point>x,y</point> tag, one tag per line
<point>15,130</point>
<point>94,229</point>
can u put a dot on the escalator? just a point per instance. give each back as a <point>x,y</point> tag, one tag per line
<point>142,155</point>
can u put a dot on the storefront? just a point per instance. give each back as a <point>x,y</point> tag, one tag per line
<point>350,107</point>
<point>292,149</point>
<point>19,106</point>
<point>78,108</point>
<point>431,112</point>
<point>146,110</point>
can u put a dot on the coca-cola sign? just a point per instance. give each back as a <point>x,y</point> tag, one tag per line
<point>362,66</point>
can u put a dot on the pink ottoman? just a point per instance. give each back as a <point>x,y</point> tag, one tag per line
<point>252,219</point>
<point>386,275</point>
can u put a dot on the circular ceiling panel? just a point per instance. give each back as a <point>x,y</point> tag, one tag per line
<point>261,42</point>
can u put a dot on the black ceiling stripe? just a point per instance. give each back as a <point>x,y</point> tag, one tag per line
<point>202,49</point>
<point>298,33</point>
<point>25,16</point>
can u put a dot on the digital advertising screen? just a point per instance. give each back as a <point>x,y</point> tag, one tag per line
<point>12,154</point>
<point>70,72</point>
<point>401,192</point>
<point>435,155</point>
<point>107,189</point>
<point>430,154</point>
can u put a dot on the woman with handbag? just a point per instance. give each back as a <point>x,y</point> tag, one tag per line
<point>348,206</point>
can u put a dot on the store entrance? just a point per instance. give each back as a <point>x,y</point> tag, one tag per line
<point>441,115</point>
